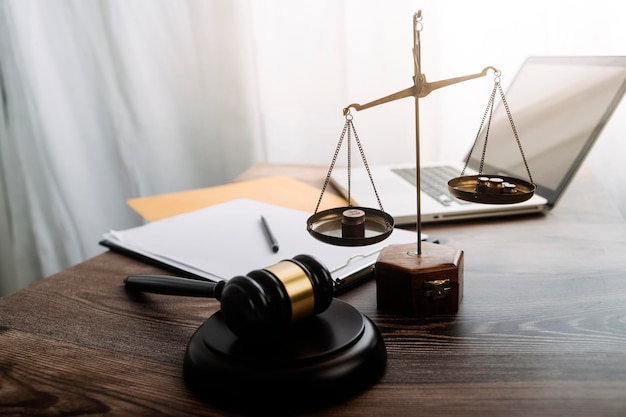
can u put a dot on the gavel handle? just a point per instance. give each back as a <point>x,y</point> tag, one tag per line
<point>170,285</point>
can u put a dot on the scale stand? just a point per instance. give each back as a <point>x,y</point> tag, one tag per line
<point>427,279</point>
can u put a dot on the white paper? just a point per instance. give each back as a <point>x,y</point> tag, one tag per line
<point>226,240</point>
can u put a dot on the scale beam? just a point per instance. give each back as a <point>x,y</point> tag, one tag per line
<point>420,89</point>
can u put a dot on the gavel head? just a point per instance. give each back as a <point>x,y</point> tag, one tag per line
<point>265,302</point>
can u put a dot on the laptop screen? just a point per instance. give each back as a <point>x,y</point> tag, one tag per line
<point>559,106</point>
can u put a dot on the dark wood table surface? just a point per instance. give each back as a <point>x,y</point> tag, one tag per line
<point>541,330</point>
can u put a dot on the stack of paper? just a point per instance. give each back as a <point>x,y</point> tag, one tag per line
<point>225,240</point>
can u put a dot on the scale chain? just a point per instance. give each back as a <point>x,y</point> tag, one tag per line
<point>490,108</point>
<point>480,128</point>
<point>519,144</point>
<point>332,165</point>
<point>348,127</point>
<point>367,168</point>
<point>489,111</point>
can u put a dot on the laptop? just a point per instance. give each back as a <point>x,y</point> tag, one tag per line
<point>559,106</point>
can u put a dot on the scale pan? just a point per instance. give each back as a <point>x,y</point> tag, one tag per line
<point>466,188</point>
<point>350,226</point>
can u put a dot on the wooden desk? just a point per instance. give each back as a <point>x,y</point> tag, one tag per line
<point>541,330</point>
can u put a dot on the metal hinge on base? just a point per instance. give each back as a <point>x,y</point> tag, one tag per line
<point>437,289</point>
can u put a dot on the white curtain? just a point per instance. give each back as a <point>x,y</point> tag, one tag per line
<point>107,100</point>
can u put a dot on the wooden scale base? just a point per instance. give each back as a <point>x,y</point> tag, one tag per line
<point>322,360</point>
<point>419,285</point>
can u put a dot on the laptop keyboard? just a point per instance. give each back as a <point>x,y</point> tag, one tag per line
<point>434,182</point>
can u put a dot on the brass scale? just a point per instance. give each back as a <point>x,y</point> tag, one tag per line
<point>359,226</point>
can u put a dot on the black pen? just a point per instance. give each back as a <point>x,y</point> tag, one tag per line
<point>271,240</point>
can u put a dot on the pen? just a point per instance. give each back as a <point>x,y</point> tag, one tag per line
<point>271,240</point>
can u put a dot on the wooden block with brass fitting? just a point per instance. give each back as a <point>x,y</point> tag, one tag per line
<point>422,285</point>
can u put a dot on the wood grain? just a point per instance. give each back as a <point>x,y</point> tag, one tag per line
<point>43,376</point>
<point>541,330</point>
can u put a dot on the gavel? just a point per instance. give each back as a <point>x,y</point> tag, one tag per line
<point>263,303</point>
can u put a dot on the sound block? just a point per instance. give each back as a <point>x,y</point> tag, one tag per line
<point>319,361</point>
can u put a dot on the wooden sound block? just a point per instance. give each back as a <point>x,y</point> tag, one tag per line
<point>322,360</point>
<point>419,285</point>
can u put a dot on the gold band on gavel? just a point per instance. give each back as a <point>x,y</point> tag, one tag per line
<point>298,286</point>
